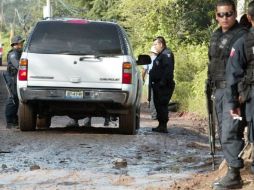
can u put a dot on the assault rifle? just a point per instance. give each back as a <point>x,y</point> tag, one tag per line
<point>211,118</point>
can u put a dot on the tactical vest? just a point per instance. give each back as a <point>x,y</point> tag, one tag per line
<point>220,47</point>
<point>249,47</point>
<point>11,68</point>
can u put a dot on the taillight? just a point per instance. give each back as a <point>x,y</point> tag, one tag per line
<point>23,64</point>
<point>126,78</point>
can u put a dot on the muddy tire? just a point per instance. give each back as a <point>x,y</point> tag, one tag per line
<point>127,122</point>
<point>43,122</point>
<point>138,118</point>
<point>27,117</point>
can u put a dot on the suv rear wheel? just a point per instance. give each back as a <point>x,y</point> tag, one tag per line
<point>27,117</point>
<point>127,122</point>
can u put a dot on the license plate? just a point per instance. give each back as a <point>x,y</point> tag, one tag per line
<point>74,94</point>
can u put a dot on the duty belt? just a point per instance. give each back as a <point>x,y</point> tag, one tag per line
<point>220,84</point>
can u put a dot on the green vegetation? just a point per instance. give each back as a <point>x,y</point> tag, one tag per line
<point>190,74</point>
<point>6,45</point>
<point>185,24</point>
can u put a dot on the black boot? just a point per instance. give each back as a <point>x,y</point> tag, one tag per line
<point>106,121</point>
<point>73,123</point>
<point>232,180</point>
<point>162,128</point>
<point>88,122</point>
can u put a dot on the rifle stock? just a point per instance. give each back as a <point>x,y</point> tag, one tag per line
<point>211,119</point>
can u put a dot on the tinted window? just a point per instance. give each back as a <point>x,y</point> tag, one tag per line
<point>75,38</point>
<point>126,42</point>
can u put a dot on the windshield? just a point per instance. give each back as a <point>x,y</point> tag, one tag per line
<point>75,39</point>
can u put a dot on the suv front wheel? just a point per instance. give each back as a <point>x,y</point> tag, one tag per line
<point>27,117</point>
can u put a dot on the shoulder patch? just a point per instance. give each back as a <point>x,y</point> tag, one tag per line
<point>168,55</point>
<point>232,53</point>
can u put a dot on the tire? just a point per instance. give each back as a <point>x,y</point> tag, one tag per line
<point>27,117</point>
<point>127,122</point>
<point>43,122</point>
<point>138,118</point>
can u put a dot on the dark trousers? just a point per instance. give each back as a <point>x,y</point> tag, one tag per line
<point>161,98</point>
<point>230,131</point>
<point>11,110</point>
<point>250,115</point>
<point>12,103</point>
<point>219,101</point>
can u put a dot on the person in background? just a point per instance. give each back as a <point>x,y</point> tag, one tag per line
<point>162,82</point>
<point>10,77</point>
<point>88,122</point>
<point>244,21</point>
<point>145,75</point>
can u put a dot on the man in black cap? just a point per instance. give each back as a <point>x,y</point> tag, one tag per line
<point>10,76</point>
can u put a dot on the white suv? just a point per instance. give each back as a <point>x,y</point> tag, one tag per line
<point>78,68</point>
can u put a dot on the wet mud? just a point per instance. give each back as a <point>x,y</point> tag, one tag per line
<point>99,158</point>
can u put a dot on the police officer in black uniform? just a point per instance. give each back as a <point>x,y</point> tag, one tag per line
<point>10,76</point>
<point>161,78</point>
<point>240,83</point>
<point>221,43</point>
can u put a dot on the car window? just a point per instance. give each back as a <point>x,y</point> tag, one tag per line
<point>90,38</point>
<point>126,42</point>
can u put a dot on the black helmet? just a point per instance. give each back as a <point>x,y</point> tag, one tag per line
<point>16,40</point>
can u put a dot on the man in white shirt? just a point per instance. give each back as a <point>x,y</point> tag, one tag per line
<point>145,76</point>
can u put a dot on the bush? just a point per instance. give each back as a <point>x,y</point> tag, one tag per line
<point>190,74</point>
<point>6,41</point>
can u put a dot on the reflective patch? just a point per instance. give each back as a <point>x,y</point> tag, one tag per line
<point>168,55</point>
<point>232,53</point>
<point>223,43</point>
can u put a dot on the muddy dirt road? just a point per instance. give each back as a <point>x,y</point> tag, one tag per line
<point>98,158</point>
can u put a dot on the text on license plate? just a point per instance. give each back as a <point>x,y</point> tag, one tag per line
<point>74,94</point>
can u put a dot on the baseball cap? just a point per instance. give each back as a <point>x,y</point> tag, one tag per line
<point>16,40</point>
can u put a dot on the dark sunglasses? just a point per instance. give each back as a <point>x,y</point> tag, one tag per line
<point>226,14</point>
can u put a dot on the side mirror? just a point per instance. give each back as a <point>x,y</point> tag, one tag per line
<point>144,60</point>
